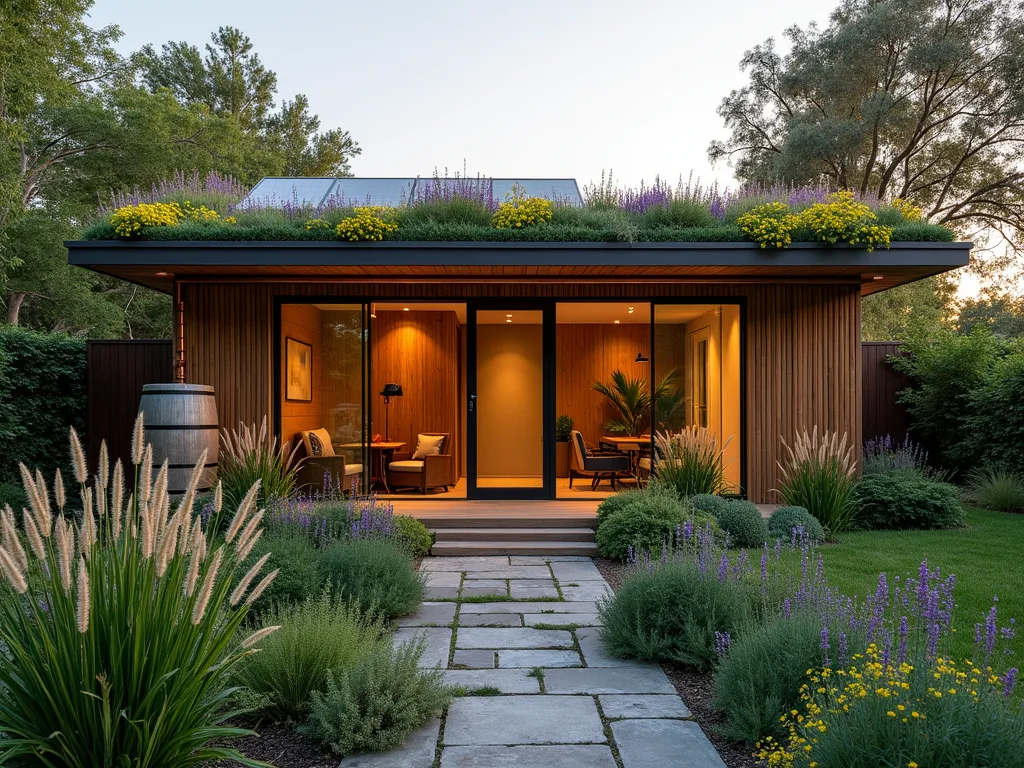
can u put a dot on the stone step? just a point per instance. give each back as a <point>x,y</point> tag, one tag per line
<point>515,534</point>
<point>508,521</point>
<point>490,547</point>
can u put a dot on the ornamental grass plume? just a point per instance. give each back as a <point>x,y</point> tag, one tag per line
<point>820,474</point>
<point>249,456</point>
<point>118,650</point>
<point>691,460</point>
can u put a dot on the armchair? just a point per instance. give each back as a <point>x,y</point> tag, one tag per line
<point>317,460</point>
<point>431,465</point>
<point>584,462</point>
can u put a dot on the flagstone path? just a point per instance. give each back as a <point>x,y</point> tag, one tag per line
<point>518,634</point>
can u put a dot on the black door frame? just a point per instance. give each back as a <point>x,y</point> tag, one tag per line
<point>548,488</point>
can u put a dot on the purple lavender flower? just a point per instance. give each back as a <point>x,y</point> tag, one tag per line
<point>723,568</point>
<point>687,530</point>
<point>825,645</point>
<point>901,654</point>
<point>844,657</point>
<point>1009,681</point>
<point>722,640</point>
<point>991,631</point>
<point>764,566</point>
<point>787,608</point>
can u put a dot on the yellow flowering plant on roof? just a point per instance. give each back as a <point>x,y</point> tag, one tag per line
<point>520,211</point>
<point>840,218</point>
<point>369,223</point>
<point>129,220</point>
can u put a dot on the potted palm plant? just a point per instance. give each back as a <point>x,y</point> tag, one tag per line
<point>632,398</point>
<point>563,431</point>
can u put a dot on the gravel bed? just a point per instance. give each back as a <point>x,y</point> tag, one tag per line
<point>696,688</point>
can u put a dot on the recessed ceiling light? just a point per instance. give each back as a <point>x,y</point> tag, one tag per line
<point>617,322</point>
<point>631,310</point>
<point>164,274</point>
<point>508,319</point>
<point>879,277</point>
<point>509,315</point>
<point>405,309</point>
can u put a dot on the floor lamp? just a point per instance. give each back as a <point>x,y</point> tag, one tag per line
<point>389,391</point>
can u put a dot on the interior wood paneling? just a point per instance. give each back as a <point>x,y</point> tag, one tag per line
<point>802,352</point>
<point>587,353</point>
<point>303,322</point>
<point>420,351</point>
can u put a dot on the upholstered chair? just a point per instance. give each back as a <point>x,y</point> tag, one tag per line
<point>430,465</point>
<point>584,462</point>
<point>318,462</point>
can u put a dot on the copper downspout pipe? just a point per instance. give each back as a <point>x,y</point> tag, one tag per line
<point>179,358</point>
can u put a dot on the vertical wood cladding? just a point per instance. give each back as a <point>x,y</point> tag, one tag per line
<point>802,356</point>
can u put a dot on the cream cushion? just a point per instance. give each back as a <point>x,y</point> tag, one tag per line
<point>428,445</point>
<point>312,437</point>
<point>406,466</point>
<point>353,469</point>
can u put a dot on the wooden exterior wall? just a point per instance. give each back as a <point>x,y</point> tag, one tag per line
<point>882,414</point>
<point>802,347</point>
<point>114,374</point>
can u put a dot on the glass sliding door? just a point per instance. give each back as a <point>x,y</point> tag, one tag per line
<point>510,410</point>
<point>699,346</point>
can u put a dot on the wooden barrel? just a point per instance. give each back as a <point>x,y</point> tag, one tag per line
<point>181,422</point>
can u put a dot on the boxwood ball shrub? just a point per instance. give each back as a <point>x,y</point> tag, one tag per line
<point>612,504</point>
<point>316,636</point>
<point>373,704</point>
<point>742,522</point>
<point>707,502</point>
<point>907,500</point>
<point>672,614</point>
<point>413,535</point>
<point>785,519</point>
<point>376,574</point>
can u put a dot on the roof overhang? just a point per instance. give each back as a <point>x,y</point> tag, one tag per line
<point>157,264</point>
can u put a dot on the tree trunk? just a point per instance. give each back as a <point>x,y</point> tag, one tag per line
<point>14,301</point>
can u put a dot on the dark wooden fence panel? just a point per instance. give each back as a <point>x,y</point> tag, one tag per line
<point>882,414</point>
<point>115,373</point>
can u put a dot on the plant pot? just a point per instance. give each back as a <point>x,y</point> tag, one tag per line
<point>561,459</point>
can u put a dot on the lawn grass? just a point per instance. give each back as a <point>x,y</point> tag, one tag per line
<point>986,558</point>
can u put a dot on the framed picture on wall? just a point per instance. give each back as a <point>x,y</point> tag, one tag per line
<point>298,371</point>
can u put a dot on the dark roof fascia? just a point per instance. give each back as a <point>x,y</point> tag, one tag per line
<point>396,253</point>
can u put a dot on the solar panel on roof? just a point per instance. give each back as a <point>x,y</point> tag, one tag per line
<point>558,190</point>
<point>371,191</point>
<point>279,192</point>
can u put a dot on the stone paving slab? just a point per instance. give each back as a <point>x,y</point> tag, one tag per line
<point>663,744</point>
<point>539,658</point>
<point>505,680</point>
<point>480,637</point>
<point>479,563</point>
<point>473,659</point>
<point>437,614</point>
<point>417,752</point>
<point>594,652</point>
<point>484,619</point>
<point>528,606</point>
<point>441,593</point>
<point>641,706</point>
<point>500,586</point>
<point>443,579</point>
<point>576,571</point>
<point>513,572</point>
<point>637,679</point>
<point>521,559</point>
<point>439,641</point>
<point>497,592</point>
<point>564,619</point>
<point>498,720</point>
<point>532,589</point>
<point>588,591</point>
<point>529,756</point>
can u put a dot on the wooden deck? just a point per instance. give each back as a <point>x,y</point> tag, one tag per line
<point>424,509</point>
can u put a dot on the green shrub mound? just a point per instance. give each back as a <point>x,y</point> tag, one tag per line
<point>612,504</point>
<point>759,679</point>
<point>672,614</point>
<point>634,527</point>
<point>413,535</point>
<point>707,502</point>
<point>375,703</point>
<point>296,561</point>
<point>785,519</point>
<point>906,500</point>
<point>996,489</point>
<point>375,574</point>
<point>317,636</point>
<point>742,522</point>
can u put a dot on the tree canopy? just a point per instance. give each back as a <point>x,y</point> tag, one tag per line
<point>911,99</point>
<point>79,122</point>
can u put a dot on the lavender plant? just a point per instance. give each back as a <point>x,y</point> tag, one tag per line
<point>217,192</point>
<point>883,455</point>
<point>118,632</point>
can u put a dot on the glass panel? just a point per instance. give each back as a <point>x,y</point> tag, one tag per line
<point>697,346</point>
<point>510,399</point>
<point>323,375</point>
